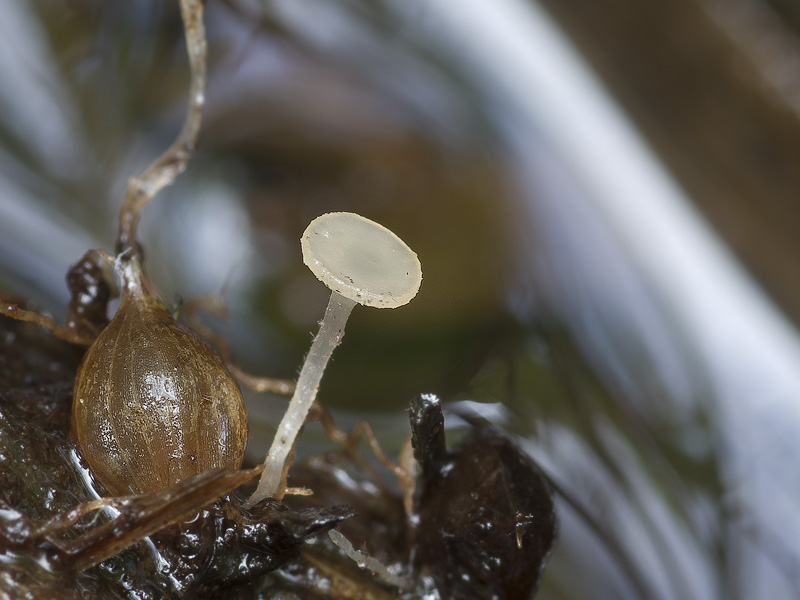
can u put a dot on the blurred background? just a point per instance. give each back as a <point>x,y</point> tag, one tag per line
<point>603,196</point>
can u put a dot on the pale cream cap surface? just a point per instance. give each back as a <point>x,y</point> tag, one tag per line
<point>361,260</point>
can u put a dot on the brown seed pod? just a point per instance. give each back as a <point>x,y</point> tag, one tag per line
<point>153,404</point>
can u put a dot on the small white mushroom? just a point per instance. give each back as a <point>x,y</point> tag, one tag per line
<point>362,262</point>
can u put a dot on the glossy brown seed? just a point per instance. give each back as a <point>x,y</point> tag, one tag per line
<point>153,404</point>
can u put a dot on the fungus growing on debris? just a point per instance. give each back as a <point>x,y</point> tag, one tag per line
<point>361,262</point>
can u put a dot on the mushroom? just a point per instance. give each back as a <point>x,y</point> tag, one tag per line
<point>361,262</point>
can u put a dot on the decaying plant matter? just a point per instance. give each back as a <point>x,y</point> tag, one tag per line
<point>480,505</point>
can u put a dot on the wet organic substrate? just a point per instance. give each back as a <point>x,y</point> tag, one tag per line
<point>483,523</point>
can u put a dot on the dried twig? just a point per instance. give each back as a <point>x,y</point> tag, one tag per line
<point>140,516</point>
<point>173,161</point>
<point>68,334</point>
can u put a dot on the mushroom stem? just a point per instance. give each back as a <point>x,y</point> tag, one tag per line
<point>331,332</point>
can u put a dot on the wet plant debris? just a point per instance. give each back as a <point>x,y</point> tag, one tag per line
<point>482,527</point>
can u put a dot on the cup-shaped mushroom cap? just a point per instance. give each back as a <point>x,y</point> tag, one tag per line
<point>361,260</point>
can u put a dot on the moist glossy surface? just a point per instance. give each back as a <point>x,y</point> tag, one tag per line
<point>153,404</point>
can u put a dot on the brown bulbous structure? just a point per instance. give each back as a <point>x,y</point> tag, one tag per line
<point>153,404</point>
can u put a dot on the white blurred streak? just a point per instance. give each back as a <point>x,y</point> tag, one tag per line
<point>615,513</point>
<point>197,238</point>
<point>39,245</point>
<point>38,242</point>
<point>749,352</point>
<point>35,102</point>
<point>412,87</point>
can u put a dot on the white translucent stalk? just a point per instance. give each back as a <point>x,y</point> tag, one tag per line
<point>331,332</point>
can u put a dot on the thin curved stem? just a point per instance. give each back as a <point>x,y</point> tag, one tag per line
<point>68,334</point>
<point>172,162</point>
<point>331,332</point>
